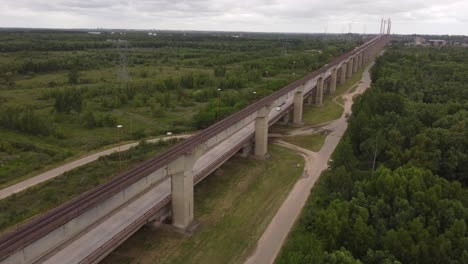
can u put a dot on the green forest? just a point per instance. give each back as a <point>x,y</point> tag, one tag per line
<point>62,93</point>
<point>396,190</point>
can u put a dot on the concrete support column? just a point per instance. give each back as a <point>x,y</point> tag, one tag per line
<point>261,132</point>
<point>359,60</point>
<point>181,172</point>
<point>310,99</point>
<point>285,118</point>
<point>298,105</point>
<point>349,68</point>
<point>355,63</point>
<point>246,150</point>
<point>343,73</point>
<point>333,80</point>
<point>326,86</point>
<point>319,91</point>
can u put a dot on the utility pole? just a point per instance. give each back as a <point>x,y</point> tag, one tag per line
<point>118,142</point>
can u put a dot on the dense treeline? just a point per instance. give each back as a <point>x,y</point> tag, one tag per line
<point>74,41</point>
<point>396,190</point>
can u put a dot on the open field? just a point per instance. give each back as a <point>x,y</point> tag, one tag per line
<point>62,93</point>
<point>313,142</point>
<point>233,207</point>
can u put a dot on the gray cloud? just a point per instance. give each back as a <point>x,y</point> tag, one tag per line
<point>409,16</point>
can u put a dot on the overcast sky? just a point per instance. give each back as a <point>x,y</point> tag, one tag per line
<point>331,16</point>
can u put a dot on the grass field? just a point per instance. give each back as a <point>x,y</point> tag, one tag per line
<point>329,110</point>
<point>172,86</point>
<point>233,206</point>
<point>312,142</point>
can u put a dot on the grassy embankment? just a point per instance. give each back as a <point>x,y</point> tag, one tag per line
<point>19,207</point>
<point>233,206</point>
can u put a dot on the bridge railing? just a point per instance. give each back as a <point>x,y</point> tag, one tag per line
<point>44,224</point>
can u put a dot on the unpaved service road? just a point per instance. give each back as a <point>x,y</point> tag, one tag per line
<point>269,245</point>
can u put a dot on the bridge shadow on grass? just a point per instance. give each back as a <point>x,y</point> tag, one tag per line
<point>234,206</point>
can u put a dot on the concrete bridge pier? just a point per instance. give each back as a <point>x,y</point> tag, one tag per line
<point>246,150</point>
<point>319,91</point>
<point>355,63</point>
<point>343,73</point>
<point>261,132</point>
<point>310,99</point>
<point>286,118</point>
<point>181,172</point>
<point>349,68</point>
<point>361,59</point>
<point>298,102</point>
<point>358,64</point>
<point>333,80</point>
<point>326,85</point>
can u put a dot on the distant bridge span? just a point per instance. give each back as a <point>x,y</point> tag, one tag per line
<point>90,226</point>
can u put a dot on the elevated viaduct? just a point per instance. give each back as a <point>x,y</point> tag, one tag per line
<point>90,226</point>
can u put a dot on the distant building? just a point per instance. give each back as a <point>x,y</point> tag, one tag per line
<point>437,42</point>
<point>419,41</point>
<point>94,33</point>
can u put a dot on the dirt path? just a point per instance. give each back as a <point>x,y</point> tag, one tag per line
<point>18,187</point>
<point>269,245</point>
